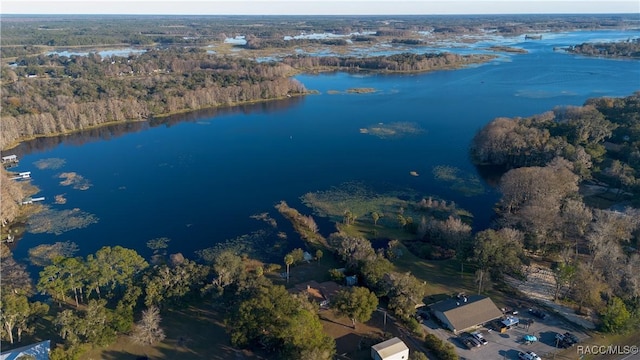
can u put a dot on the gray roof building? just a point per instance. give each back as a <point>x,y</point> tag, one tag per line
<point>462,313</point>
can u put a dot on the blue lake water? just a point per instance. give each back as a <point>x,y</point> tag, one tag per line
<point>198,181</point>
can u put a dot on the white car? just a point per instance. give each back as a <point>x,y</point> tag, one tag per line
<point>529,355</point>
<point>478,336</point>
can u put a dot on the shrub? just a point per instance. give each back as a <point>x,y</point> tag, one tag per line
<point>440,349</point>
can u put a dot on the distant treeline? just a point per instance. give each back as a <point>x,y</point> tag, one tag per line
<point>46,95</point>
<point>70,30</point>
<point>405,62</point>
<point>629,48</point>
<point>254,43</point>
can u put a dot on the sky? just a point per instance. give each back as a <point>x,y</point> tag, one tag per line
<point>318,7</point>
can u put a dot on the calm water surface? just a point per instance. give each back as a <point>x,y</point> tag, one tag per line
<point>198,181</point>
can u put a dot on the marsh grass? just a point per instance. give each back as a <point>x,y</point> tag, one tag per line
<point>260,245</point>
<point>59,221</point>
<point>464,183</point>
<point>44,254</point>
<point>75,180</point>
<point>355,197</point>
<point>60,199</point>
<point>266,218</point>
<point>363,90</point>
<point>50,163</point>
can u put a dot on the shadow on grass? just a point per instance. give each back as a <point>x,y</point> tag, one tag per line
<point>195,331</point>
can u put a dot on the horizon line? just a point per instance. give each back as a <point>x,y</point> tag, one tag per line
<point>316,15</point>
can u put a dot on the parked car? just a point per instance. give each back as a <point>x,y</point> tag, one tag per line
<point>478,336</point>
<point>538,313</point>
<point>471,339</point>
<point>529,355</point>
<point>569,337</point>
<point>468,343</point>
<point>562,341</point>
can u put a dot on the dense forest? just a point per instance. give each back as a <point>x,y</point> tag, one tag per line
<point>405,62</point>
<point>547,210</point>
<point>47,95</point>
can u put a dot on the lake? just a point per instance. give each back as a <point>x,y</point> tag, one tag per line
<point>198,178</point>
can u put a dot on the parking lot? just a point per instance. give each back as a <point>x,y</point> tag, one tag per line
<point>507,345</point>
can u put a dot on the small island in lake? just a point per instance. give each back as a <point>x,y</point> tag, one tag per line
<point>508,49</point>
<point>361,90</point>
<point>623,49</point>
<point>392,130</point>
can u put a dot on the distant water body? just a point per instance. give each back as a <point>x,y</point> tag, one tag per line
<point>198,178</point>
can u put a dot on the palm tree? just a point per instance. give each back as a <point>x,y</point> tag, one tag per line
<point>288,260</point>
<point>349,218</point>
<point>375,216</point>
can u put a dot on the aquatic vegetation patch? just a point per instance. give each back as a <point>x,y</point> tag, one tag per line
<point>305,226</point>
<point>393,130</point>
<point>266,218</point>
<point>49,163</point>
<point>355,197</point>
<point>158,244</point>
<point>60,199</point>
<point>75,180</point>
<point>464,183</point>
<point>446,173</point>
<point>256,245</point>
<point>60,221</point>
<point>44,254</point>
<point>363,90</point>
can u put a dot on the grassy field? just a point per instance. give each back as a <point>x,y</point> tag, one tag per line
<point>195,332</point>
<point>441,276</point>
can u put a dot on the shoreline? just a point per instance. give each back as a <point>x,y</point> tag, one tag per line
<point>311,71</point>
<point>17,142</point>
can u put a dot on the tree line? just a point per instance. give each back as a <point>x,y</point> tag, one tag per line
<point>629,48</point>
<point>99,296</point>
<point>405,62</point>
<point>79,92</point>
<point>74,30</point>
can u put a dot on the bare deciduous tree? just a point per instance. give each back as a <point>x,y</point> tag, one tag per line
<point>147,331</point>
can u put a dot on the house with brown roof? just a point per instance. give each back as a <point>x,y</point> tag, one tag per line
<point>318,292</point>
<point>463,313</point>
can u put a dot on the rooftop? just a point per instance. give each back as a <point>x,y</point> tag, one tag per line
<point>37,351</point>
<point>477,309</point>
<point>390,347</point>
